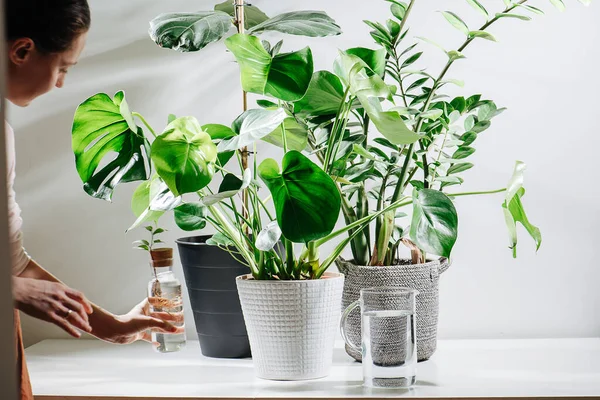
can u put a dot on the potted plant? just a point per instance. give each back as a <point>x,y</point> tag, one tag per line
<point>209,271</point>
<point>386,132</point>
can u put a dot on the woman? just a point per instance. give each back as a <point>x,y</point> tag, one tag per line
<point>45,39</point>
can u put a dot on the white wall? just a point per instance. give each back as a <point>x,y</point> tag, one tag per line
<point>544,71</point>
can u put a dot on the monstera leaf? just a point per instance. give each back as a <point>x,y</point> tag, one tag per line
<point>184,156</point>
<point>434,226</point>
<point>189,31</point>
<point>253,15</point>
<point>302,23</point>
<point>306,199</point>
<point>285,76</point>
<point>103,126</point>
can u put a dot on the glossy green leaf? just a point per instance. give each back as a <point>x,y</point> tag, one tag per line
<point>189,31</point>
<point>219,132</point>
<point>230,186</point>
<point>160,199</point>
<point>532,9</point>
<point>479,7</point>
<point>368,89</point>
<point>218,239</point>
<point>483,34</point>
<point>184,156</point>
<point>434,226</point>
<point>251,126</point>
<point>140,202</point>
<point>324,96</point>
<point>252,14</point>
<point>457,168</point>
<point>191,216</point>
<point>374,59</point>
<point>512,15</point>
<point>455,21</point>
<point>514,211</point>
<point>463,152</point>
<point>285,76</point>
<point>101,127</point>
<point>307,201</point>
<point>296,135</point>
<point>454,55</point>
<point>398,11</point>
<point>301,23</point>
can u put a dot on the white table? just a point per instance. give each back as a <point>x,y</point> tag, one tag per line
<point>71,369</point>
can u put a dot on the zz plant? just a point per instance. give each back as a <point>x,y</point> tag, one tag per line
<point>386,132</point>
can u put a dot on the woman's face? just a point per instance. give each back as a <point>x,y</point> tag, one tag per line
<point>32,74</point>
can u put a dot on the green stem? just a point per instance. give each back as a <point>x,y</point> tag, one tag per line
<point>401,183</point>
<point>476,193</point>
<point>289,257</point>
<point>144,122</point>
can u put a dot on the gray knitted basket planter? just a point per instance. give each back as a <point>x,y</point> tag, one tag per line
<point>422,277</point>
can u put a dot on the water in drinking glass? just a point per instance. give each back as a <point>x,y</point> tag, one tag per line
<point>389,336</point>
<point>389,348</point>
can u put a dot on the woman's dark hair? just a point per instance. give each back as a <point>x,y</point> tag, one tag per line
<point>53,25</point>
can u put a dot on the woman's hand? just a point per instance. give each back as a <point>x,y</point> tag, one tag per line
<point>135,325</point>
<point>53,302</point>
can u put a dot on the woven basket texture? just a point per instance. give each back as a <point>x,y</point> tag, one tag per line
<point>422,277</point>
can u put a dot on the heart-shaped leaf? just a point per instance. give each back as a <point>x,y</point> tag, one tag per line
<point>219,132</point>
<point>307,201</point>
<point>296,135</point>
<point>230,186</point>
<point>159,197</point>
<point>189,31</point>
<point>302,23</point>
<point>324,95</point>
<point>285,76</point>
<point>184,156</point>
<point>191,216</point>
<point>103,126</point>
<point>251,126</point>
<point>434,226</point>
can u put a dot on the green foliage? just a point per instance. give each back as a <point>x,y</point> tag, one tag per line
<point>102,126</point>
<point>184,156</point>
<point>306,200</point>
<point>284,76</point>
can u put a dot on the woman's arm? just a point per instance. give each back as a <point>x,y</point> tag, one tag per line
<point>41,295</point>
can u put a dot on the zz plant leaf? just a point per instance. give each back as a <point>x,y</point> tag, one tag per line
<point>103,126</point>
<point>307,201</point>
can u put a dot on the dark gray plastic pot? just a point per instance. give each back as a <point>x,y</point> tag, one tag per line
<point>210,277</point>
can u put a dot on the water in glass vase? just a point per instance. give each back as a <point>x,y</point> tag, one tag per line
<point>164,295</point>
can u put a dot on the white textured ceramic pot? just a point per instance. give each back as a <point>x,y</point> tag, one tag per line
<point>291,325</point>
